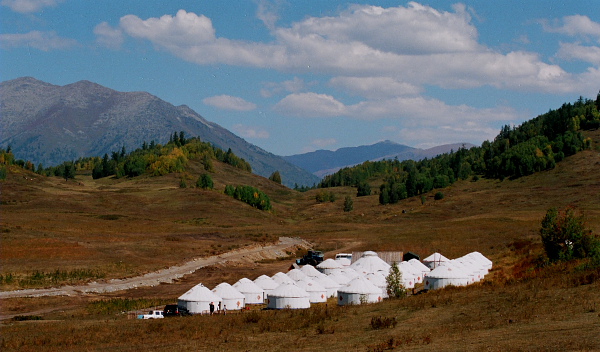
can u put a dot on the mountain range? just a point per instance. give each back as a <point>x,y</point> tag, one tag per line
<point>49,124</point>
<point>325,162</point>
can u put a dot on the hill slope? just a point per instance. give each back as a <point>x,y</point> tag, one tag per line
<point>49,124</point>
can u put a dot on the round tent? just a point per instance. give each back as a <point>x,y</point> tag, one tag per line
<point>434,260</point>
<point>445,275</point>
<point>409,275</point>
<point>359,291</point>
<point>254,294</point>
<point>481,258</point>
<point>311,272</point>
<point>232,298</point>
<point>296,274</point>
<point>369,262</point>
<point>330,285</point>
<point>340,278</point>
<point>288,296</point>
<point>380,281</point>
<point>280,278</point>
<point>317,293</point>
<point>420,267</point>
<point>197,299</point>
<point>329,266</point>
<point>266,283</point>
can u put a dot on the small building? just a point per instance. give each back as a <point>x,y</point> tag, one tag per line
<point>266,283</point>
<point>410,255</point>
<point>434,260</point>
<point>197,300</point>
<point>329,266</point>
<point>445,275</point>
<point>288,296</point>
<point>254,294</point>
<point>359,291</point>
<point>232,298</point>
<point>317,293</point>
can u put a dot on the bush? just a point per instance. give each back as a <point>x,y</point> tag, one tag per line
<point>438,196</point>
<point>205,182</point>
<point>383,323</point>
<point>348,204</point>
<point>564,236</point>
<point>395,289</point>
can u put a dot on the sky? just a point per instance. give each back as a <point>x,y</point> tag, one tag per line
<point>297,76</point>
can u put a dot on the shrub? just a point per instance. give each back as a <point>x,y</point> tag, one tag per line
<point>564,236</point>
<point>438,196</point>
<point>395,289</point>
<point>383,323</point>
<point>348,204</point>
<point>205,182</point>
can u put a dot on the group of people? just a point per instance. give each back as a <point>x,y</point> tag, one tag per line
<point>211,307</point>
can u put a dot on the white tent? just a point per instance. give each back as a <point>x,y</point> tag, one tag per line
<point>266,283</point>
<point>197,299</point>
<point>370,263</point>
<point>281,278</point>
<point>330,285</point>
<point>296,274</point>
<point>466,268</point>
<point>420,267</point>
<point>481,259</point>
<point>288,296</point>
<point>445,275</point>
<point>254,293</point>
<point>409,275</point>
<point>340,278</point>
<point>358,291</point>
<point>232,298</point>
<point>329,266</point>
<point>311,272</point>
<point>479,270</point>
<point>317,293</point>
<point>380,281</point>
<point>350,273</point>
<point>434,260</point>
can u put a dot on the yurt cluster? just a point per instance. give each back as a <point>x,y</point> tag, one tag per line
<point>358,282</point>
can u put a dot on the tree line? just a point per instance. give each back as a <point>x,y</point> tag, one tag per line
<point>517,151</point>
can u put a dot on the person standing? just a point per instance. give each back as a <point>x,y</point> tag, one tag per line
<point>211,307</point>
<point>224,309</point>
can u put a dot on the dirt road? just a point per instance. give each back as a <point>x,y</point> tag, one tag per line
<point>246,254</point>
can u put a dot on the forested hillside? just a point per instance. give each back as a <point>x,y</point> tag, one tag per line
<point>535,145</point>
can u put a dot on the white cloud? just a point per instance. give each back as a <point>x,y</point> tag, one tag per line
<point>375,87</point>
<point>310,105</point>
<point>295,85</point>
<point>323,143</point>
<point>267,12</point>
<point>28,6</point>
<point>227,102</point>
<point>576,25</point>
<point>108,36</point>
<point>571,51</point>
<point>250,132</point>
<point>44,41</point>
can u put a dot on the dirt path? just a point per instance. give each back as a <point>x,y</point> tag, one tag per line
<point>246,254</point>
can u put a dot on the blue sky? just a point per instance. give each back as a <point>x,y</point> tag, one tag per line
<point>296,76</point>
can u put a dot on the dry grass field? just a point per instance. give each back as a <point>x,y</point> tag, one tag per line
<point>101,229</point>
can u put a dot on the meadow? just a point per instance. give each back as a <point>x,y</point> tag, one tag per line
<point>85,229</point>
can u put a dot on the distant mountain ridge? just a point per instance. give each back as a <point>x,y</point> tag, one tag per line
<point>49,124</point>
<point>325,162</point>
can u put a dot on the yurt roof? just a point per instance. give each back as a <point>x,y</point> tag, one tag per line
<point>247,286</point>
<point>447,271</point>
<point>360,285</point>
<point>340,278</point>
<point>310,271</point>
<point>369,254</point>
<point>327,282</point>
<point>266,282</point>
<point>370,263</point>
<point>407,269</point>
<point>436,257</point>
<point>344,261</point>
<point>199,293</point>
<point>330,264</point>
<point>296,274</point>
<point>289,290</point>
<point>226,291</point>
<point>310,285</point>
<point>376,279</point>
<point>418,265</point>
<point>480,257</point>
<point>281,277</point>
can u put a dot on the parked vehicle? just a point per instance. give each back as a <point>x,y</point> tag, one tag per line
<point>173,310</point>
<point>153,314</point>
<point>312,258</point>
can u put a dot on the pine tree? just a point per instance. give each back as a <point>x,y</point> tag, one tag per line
<point>395,288</point>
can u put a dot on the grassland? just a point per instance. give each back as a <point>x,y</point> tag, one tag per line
<point>117,228</point>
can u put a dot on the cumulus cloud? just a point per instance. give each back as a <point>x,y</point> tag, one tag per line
<point>108,36</point>
<point>570,51</point>
<point>295,85</point>
<point>44,41</point>
<point>576,25</point>
<point>227,102</point>
<point>414,44</point>
<point>310,105</point>
<point>28,6</point>
<point>250,132</point>
<point>374,87</point>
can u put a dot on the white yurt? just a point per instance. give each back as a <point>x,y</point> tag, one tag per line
<point>409,275</point>
<point>369,262</point>
<point>254,293</point>
<point>280,278</point>
<point>197,299</point>
<point>481,258</point>
<point>317,293</point>
<point>232,298</point>
<point>340,278</point>
<point>266,283</point>
<point>288,296</point>
<point>329,266</point>
<point>467,268</point>
<point>478,268</point>
<point>359,290</point>
<point>380,281</point>
<point>445,275</point>
<point>330,285</point>
<point>434,260</point>
<point>311,271</point>
<point>296,274</point>
<point>350,273</point>
<point>420,267</point>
